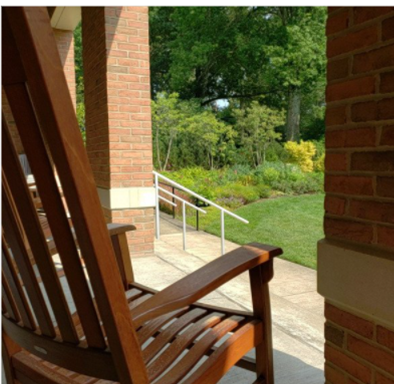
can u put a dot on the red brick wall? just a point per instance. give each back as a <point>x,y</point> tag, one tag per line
<point>358,350</point>
<point>359,183</point>
<point>360,126</point>
<point>65,45</point>
<point>129,96</point>
<point>118,114</point>
<point>95,88</point>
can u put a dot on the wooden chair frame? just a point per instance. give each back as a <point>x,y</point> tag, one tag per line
<point>104,338</point>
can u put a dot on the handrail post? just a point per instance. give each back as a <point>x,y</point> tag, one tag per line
<point>197,216</point>
<point>184,224</point>
<point>222,230</point>
<point>173,200</point>
<point>157,211</point>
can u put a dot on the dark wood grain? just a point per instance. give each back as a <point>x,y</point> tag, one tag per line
<point>55,215</point>
<point>16,241</point>
<point>35,237</point>
<point>15,286</point>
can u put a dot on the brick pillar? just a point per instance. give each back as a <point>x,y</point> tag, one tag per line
<point>356,260</point>
<point>118,116</point>
<point>65,45</point>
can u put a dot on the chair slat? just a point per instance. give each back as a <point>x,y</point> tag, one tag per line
<point>15,240</point>
<point>34,234</point>
<point>182,342</point>
<point>199,349</point>
<point>153,326</point>
<point>8,300</point>
<point>171,332</point>
<point>51,198</point>
<point>39,56</point>
<point>17,291</point>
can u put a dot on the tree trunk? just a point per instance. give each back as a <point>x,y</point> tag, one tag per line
<point>293,115</point>
<point>168,152</point>
<point>158,149</point>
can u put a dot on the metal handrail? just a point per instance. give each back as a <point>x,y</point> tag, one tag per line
<point>184,203</point>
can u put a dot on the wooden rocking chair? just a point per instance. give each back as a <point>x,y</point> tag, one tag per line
<point>99,325</point>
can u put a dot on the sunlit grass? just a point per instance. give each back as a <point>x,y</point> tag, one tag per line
<point>292,223</point>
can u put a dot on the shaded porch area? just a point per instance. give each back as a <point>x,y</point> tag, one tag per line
<point>297,309</point>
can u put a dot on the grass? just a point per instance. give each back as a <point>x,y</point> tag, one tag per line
<point>293,223</point>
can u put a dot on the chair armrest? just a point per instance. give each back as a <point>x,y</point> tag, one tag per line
<point>205,280</point>
<point>116,229</point>
<point>117,233</point>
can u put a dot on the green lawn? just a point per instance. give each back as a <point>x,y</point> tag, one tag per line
<point>293,223</point>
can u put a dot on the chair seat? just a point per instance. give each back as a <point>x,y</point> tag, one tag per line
<point>203,332</point>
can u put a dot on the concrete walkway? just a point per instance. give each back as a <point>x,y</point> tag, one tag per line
<point>297,309</point>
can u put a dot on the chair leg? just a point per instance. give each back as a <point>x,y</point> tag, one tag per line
<point>9,348</point>
<point>259,278</point>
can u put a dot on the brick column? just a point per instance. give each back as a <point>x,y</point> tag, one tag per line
<point>118,116</point>
<point>65,45</point>
<point>356,260</point>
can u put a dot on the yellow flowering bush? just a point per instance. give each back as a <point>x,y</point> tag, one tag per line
<point>301,154</point>
<point>319,164</point>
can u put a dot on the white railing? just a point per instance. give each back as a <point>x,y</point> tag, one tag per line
<point>185,203</point>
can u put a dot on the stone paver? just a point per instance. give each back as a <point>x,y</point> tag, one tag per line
<point>297,309</point>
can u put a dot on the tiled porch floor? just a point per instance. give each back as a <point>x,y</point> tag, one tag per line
<point>297,309</point>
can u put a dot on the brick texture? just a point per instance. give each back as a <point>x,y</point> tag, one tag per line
<point>118,114</point>
<point>65,44</point>
<point>359,180</point>
<point>357,350</point>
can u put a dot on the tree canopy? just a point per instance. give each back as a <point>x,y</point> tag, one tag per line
<point>242,53</point>
<point>231,84</point>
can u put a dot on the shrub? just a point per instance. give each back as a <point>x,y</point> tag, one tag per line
<point>248,194</point>
<point>264,191</point>
<point>275,152</point>
<point>269,175</point>
<point>301,154</point>
<point>230,202</point>
<point>319,164</point>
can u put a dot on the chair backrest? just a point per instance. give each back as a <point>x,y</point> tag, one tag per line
<point>100,340</point>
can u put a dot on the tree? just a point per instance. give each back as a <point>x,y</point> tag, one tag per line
<point>167,120</point>
<point>242,53</point>
<point>187,134</point>
<point>296,49</point>
<point>212,136</point>
<point>206,53</point>
<point>256,126</point>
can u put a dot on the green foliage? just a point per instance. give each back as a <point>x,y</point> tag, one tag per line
<point>245,193</point>
<point>256,126</point>
<point>187,134</point>
<point>242,54</point>
<point>240,185</point>
<point>79,80</point>
<point>318,165</point>
<point>81,120</point>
